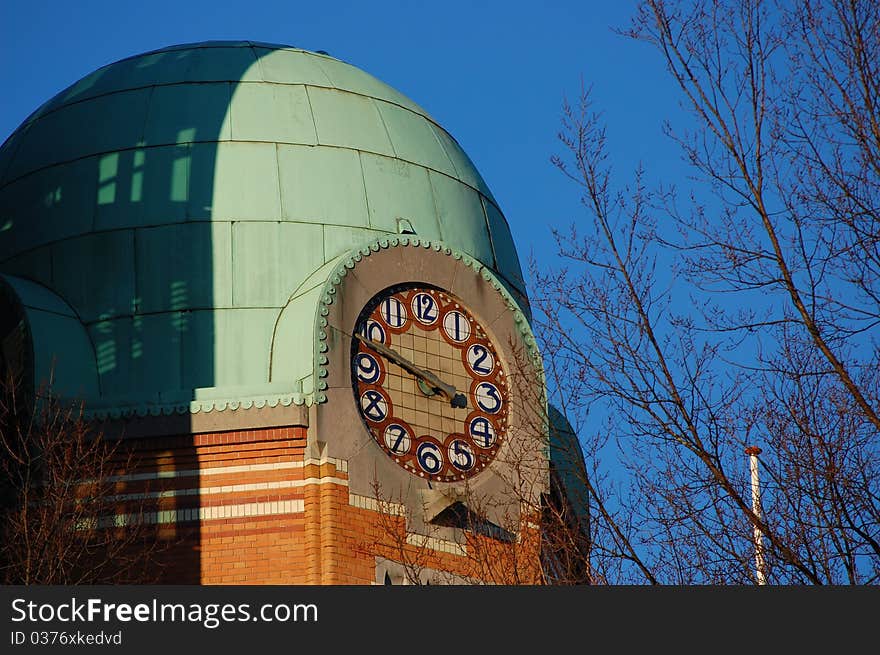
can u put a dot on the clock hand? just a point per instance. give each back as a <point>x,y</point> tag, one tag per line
<point>436,384</point>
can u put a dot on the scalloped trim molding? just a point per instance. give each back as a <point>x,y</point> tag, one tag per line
<point>144,410</point>
<point>356,256</point>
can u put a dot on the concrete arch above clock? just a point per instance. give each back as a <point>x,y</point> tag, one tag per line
<point>175,199</point>
<point>433,262</point>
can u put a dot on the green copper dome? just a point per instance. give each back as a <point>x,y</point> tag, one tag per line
<point>157,216</point>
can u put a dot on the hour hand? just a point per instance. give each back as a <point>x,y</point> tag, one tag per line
<point>437,385</point>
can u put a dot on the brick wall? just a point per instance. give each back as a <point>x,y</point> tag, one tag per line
<point>247,507</point>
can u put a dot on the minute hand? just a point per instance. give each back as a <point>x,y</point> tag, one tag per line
<point>455,399</point>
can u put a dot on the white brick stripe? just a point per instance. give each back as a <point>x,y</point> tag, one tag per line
<point>244,510</point>
<point>365,502</point>
<point>307,481</point>
<point>340,464</point>
<point>230,489</point>
<point>442,545</point>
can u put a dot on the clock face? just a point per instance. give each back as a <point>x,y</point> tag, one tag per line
<point>431,342</point>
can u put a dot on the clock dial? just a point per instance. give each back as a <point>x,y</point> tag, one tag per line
<point>428,383</point>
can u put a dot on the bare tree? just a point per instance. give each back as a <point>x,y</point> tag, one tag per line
<point>61,518</point>
<point>742,310</point>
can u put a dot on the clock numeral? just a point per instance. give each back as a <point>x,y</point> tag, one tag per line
<point>480,359</point>
<point>430,457</point>
<point>461,455</point>
<point>373,331</point>
<point>425,308</point>
<point>482,432</point>
<point>367,368</point>
<point>374,406</point>
<point>457,326</point>
<point>488,397</point>
<point>397,439</point>
<point>393,312</point>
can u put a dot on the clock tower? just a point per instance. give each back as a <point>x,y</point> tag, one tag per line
<point>288,289</point>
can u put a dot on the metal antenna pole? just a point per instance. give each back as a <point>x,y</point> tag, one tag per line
<point>753,452</point>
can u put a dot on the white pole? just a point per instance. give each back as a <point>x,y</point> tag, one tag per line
<point>753,452</point>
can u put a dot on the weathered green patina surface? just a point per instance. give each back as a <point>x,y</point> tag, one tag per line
<point>170,206</point>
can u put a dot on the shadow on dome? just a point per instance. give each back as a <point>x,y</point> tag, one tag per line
<point>175,203</point>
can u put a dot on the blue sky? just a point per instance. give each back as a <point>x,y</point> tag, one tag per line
<point>493,73</point>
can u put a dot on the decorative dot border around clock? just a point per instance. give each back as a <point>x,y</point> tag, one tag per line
<point>349,262</point>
